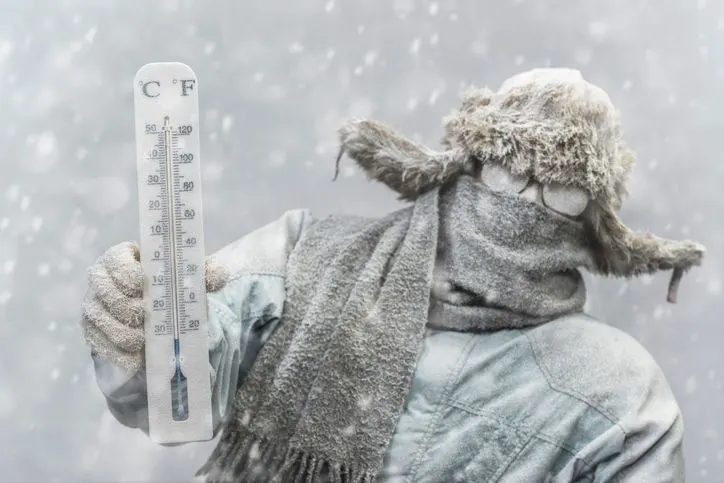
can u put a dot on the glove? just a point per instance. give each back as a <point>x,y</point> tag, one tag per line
<point>113,310</point>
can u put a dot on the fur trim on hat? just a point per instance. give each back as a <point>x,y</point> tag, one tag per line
<point>407,167</point>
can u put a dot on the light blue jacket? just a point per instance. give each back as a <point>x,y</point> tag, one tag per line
<point>572,400</point>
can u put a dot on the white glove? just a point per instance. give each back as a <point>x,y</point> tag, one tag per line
<point>113,310</point>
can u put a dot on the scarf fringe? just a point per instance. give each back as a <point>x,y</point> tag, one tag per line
<point>242,457</point>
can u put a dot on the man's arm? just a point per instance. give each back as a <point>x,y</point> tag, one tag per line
<point>653,452</point>
<point>241,317</point>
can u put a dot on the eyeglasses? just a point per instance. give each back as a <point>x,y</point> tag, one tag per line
<point>567,200</point>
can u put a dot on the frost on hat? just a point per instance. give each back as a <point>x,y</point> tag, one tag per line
<point>551,125</point>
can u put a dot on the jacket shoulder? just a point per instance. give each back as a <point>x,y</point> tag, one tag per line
<point>266,249</point>
<point>600,365</point>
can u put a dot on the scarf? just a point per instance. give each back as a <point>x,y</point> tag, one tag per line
<point>323,398</point>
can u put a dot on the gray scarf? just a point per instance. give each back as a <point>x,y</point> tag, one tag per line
<point>322,401</point>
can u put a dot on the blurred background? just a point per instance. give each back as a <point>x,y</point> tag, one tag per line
<point>275,79</point>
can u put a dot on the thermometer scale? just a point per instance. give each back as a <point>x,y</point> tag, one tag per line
<point>172,253</point>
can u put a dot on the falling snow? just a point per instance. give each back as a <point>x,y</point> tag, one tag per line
<point>275,89</point>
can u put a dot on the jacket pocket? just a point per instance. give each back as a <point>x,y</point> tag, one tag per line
<point>467,447</point>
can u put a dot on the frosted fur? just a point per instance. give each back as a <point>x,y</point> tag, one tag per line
<point>405,166</point>
<point>551,125</point>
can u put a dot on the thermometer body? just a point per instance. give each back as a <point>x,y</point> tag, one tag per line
<point>172,253</point>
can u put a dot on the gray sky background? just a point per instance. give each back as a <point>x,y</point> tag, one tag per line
<point>276,78</point>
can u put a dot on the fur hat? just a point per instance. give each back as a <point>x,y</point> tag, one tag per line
<point>551,125</point>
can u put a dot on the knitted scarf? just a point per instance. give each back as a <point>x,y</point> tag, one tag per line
<point>322,400</point>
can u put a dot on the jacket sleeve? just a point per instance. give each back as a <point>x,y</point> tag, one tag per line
<point>650,440</point>
<point>241,317</point>
<point>654,453</point>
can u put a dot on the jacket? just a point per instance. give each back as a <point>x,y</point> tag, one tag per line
<point>572,400</point>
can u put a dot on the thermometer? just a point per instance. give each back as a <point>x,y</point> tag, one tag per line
<point>172,253</point>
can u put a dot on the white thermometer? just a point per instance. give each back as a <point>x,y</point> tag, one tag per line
<point>172,253</point>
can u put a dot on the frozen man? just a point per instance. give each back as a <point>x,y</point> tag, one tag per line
<point>446,341</point>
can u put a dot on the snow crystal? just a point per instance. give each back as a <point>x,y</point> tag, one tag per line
<point>358,70</point>
<point>329,6</point>
<point>55,374</point>
<point>415,46</point>
<point>660,312</point>
<point>37,223</point>
<point>361,29</point>
<point>65,265</point>
<point>711,374</point>
<point>12,194</point>
<point>519,59</point>
<point>7,403</point>
<point>330,54</point>
<point>45,148</point>
<point>43,269</point>
<point>361,108</point>
<point>6,49</point>
<point>583,56</point>
<point>403,7</point>
<point>209,48</point>
<point>714,286</point>
<point>691,385</point>
<point>52,326</point>
<point>296,48</point>
<point>74,379</point>
<point>4,223</point>
<point>277,158</point>
<point>412,104</point>
<point>24,203</point>
<point>226,123</point>
<point>90,35</point>
<point>213,171</point>
<point>701,4</point>
<point>434,39</point>
<point>627,84</point>
<point>9,267</point>
<point>246,418</point>
<point>364,402</point>
<point>370,58</point>
<point>598,30</point>
<point>254,451</point>
<point>479,47</point>
<point>81,153</point>
<point>105,194</point>
<point>348,171</point>
<point>434,8</point>
<point>434,97</point>
<point>4,297</point>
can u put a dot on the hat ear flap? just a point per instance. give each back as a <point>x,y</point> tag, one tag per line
<point>624,253</point>
<point>407,167</point>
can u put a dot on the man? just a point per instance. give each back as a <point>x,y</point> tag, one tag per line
<point>445,341</point>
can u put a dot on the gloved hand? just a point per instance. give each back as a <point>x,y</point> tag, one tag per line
<point>113,310</point>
